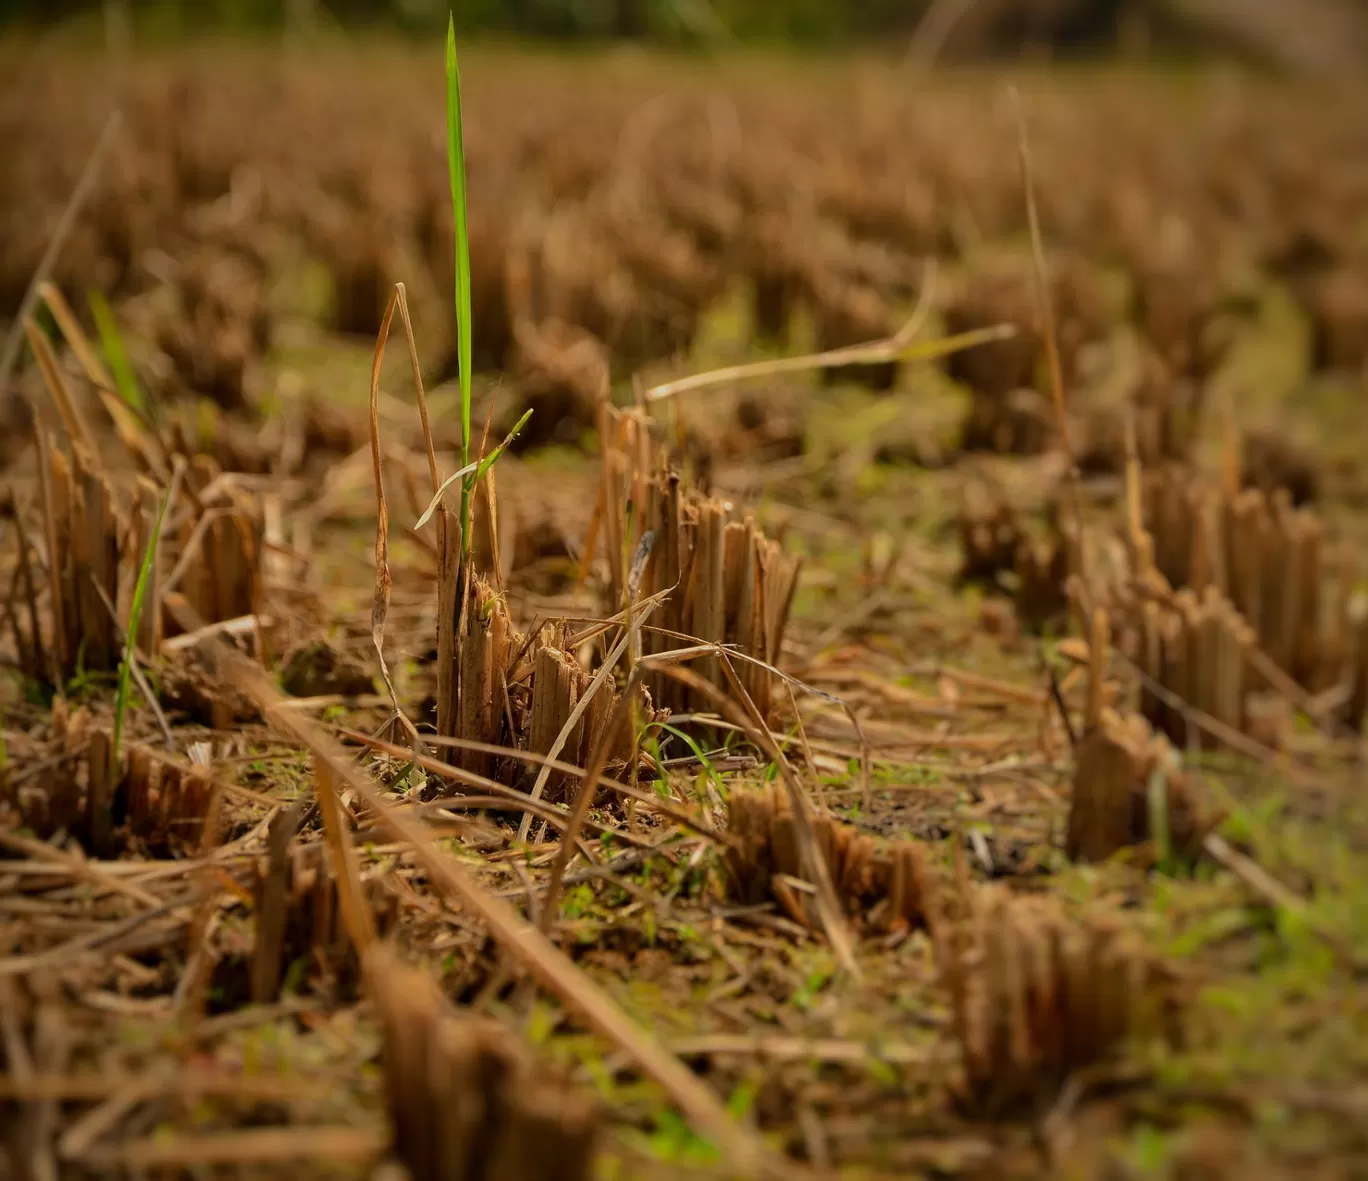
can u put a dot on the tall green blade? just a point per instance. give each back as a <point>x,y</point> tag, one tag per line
<point>456,166</point>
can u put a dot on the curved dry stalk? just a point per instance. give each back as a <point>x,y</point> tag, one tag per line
<point>476,467</point>
<point>702,647</point>
<point>516,800</point>
<point>383,582</point>
<point>933,31</point>
<point>898,347</point>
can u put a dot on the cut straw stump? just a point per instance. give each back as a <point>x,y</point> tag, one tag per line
<point>298,911</point>
<point>81,532</point>
<point>887,885</point>
<point>526,706</point>
<point>1128,786</point>
<point>166,804</point>
<point>995,541</point>
<point>221,550</point>
<point>161,804</point>
<point>66,623</point>
<point>1121,764</point>
<point>1272,561</point>
<point>465,1097</point>
<point>1198,650</point>
<point>731,584</point>
<point>1037,996</point>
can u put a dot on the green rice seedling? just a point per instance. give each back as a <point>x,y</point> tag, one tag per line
<point>111,341</point>
<point>134,619</point>
<point>472,472</point>
<point>456,167</point>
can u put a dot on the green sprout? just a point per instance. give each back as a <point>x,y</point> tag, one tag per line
<point>134,620</point>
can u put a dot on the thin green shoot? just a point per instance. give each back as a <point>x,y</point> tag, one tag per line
<point>456,167</point>
<point>700,754</point>
<point>135,611</point>
<point>1157,800</point>
<point>472,472</point>
<point>111,341</point>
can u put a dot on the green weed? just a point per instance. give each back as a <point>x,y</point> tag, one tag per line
<point>112,342</point>
<point>134,620</point>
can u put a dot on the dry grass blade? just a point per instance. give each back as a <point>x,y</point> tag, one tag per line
<point>243,1147</point>
<point>79,867</point>
<point>897,347</point>
<point>78,430</point>
<point>355,912</point>
<point>878,352</point>
<point>383,581</point>
<point>138,437</point>
<point>71,329</point>
<point>584,799</point>
<point>551,967</point>
<point>79,195</point>
<point>1048,329</point>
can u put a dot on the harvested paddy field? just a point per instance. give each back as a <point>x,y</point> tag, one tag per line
<point>895,707</point>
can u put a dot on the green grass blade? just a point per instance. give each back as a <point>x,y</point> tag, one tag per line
<point>456,166</point>
<point>472,473</point>
<point>1157,793</point>
<point>135,611</point>
<point>489,460</point>
<point>699,753</point>
<point>111,341</point>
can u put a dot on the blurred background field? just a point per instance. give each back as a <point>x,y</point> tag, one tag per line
<point>1315,34</point>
